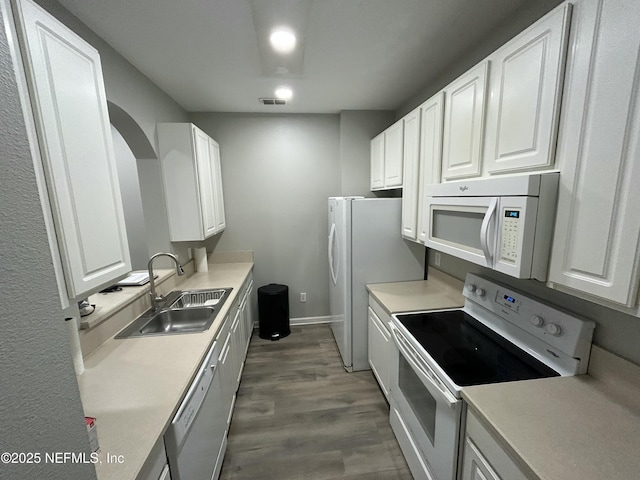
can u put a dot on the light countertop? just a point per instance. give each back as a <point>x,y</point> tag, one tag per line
<point>585,427</point>
<point>439,291</point>
<point>134,386</point>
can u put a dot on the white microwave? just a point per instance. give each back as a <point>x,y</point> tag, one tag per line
<point>502,223</point>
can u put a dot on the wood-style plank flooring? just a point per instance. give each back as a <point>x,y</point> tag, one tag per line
<point>300,416</point>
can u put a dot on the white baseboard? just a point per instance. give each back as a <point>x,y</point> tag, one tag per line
<point>309,320</point>
<point>303,321</point>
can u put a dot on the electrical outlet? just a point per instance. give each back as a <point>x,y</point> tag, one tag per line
<point>303,297</point>
<point>190,253</point>
<point>436,259</point>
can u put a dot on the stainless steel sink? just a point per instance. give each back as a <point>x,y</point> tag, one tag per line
<point>199,298</point>
<point>180,320</point>
<point>188,311</point>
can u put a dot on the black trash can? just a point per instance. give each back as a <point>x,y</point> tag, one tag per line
<point>273,311</point>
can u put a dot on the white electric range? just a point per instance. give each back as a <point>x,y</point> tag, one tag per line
<point>500,335</point>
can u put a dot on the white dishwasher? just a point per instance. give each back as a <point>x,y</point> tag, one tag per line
<point>195,440</point>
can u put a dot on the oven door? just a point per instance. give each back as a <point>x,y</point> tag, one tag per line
<point>428,410</point>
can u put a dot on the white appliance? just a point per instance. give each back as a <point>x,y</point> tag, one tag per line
<point>499,335</point>
<point>195,441</point>
<point>503,223</point>
<point>365,246</point>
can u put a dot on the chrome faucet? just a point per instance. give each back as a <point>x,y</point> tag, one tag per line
<point>155,298</point>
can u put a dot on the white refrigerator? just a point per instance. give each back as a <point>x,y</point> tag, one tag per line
<point>365,246</point>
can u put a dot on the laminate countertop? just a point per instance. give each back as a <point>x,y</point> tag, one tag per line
<point>585,427</point>
<point>439,291</point>
<point>134,386</point>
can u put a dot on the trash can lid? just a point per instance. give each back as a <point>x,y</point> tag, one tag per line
<point>273,289</point>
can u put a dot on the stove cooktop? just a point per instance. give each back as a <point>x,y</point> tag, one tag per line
<point>469,352</point>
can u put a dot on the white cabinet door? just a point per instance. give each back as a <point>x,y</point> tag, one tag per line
<point>475,466</point>
<point>190,162</point>
<point>597,233</point>
<point>377,162</point>
<point>218,196</point>
<point>248,310</point>
<point>464,124</point>
<point>378,346</point>
<point>393,151</point>
<point>524,103</point>
<point>225,370</point>
<point>483,457</point>
<point>411,160</point>
<point>70,110</point>
<point>432,113</point>
<point>205,168</point>
<point>237,347</point>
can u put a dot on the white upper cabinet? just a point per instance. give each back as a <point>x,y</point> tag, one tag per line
<point>218,197</point>
<point>464,120</point>
<point>386,158</point>
<point>190,162</point>
<point>597,234</point>
<point>70,110</point>
<point>411,169</point>
<point>393,155</point>
<point>377,162</point>
<point>432,116</point>
<point>525,91</point>
<point>205,169</point>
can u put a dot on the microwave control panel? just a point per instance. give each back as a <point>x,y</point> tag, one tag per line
<point>511,221</point>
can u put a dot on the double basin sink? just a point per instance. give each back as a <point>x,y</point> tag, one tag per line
<point>187,311</point>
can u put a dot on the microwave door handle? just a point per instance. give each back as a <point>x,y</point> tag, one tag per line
<point>485,230</point>
<point>412,358</point>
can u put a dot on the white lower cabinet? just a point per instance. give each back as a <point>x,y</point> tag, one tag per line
<point>482,456</point>
<point>247,312</point>
<point>78,161</point>
<point>595,252</point>
<point>220,400</point>
<point>237,346</point>
<point>380,345</point>
<point>156,467</point>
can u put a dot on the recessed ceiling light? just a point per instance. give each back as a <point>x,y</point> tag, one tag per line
<point>284,93</point>
<point>283,40</point>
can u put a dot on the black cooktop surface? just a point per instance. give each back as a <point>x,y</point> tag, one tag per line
<point>469,352</point>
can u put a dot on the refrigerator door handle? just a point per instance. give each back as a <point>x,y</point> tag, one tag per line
<point>332,235</point>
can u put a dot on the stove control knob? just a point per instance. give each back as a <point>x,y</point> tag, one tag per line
<point>471,287</point>
<point>554,329</point>
<point>536,320</point>
<point>480,292</point>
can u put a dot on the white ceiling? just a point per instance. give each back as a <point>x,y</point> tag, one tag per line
<point>212,55</point>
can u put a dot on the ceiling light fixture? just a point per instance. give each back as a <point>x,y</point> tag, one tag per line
<point>282,40</point>
<point>284,93</point>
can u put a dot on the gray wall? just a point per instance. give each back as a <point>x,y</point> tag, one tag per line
<point>131,201</point>
<point>615,331</point>
<point>40,409</point>
<point>278,171</point>
<point>357,128</point>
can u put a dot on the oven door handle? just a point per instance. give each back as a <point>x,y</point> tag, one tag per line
<point>426,373</point>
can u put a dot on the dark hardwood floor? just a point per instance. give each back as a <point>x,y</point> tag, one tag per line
<point>300,416</point>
